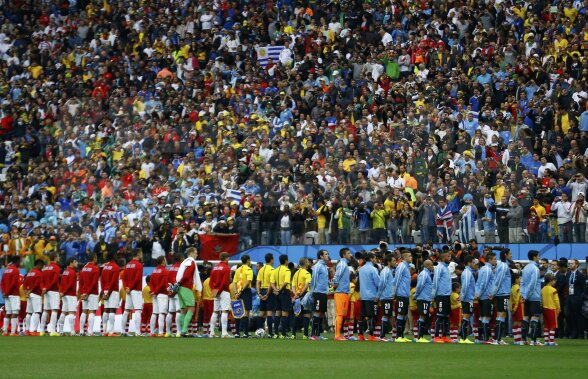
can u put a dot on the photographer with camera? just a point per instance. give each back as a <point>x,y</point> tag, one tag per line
<point>579,211</point>
<point>560,208</point>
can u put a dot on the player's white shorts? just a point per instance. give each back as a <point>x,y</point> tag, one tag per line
<point>91,303</point>
<point>12,305</point>
<point>134,301</point>
<point>222,302</point>
<point>51,301</point>
<point>34,303</point>
<point>173,304</point>
<point>113,300</point>
<point>69,304</point>
<point>160,304</point>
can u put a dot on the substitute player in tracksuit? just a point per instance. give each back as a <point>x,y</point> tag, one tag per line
<point>531,297</point>
<point>441,294</point>
<point>423,296</point>
<point>401,292</point>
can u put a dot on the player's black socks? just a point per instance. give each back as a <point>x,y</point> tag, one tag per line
<point>384,327</point>
<point>487,331</point>
<point>524,330</point>
<point>316,326</point>
<point>400,327</point>
<point>422,328</point>
<point>464,329</point>
<point>284,325</point>
<point>438,326</point>
<point>244,325</point>
<point>498,328</point>
<point>534,330</point>
<point>305,324</point>
<point>445,326</point>
<point>372,325</point>
<point>261,323</point>
<point>270,325</point>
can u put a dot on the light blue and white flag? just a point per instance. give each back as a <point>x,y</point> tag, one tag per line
<point>266,52</point>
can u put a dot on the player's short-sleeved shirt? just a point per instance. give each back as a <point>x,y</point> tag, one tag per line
<point>264,276</point>
<point>281,275</point>
<point>300,279</point>
<point>242,275</point>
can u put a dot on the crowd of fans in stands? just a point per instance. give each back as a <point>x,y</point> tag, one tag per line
<point>130,124</point>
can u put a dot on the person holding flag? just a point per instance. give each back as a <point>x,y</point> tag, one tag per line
<point>444,220</point>
<point>242,290</point>
<point>468,216</point>
<point>300,284</point>
<point>186,278</point>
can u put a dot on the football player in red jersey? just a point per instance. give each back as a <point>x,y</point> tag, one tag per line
<point>110,293</point>
<point>173,309</point>
<point>133,285</point>
<point>69,300</point>
<point>158,285</point>
<point>89,277</point>
<point>50,289</point>
<point>33,291</point>
<point>10,289</point>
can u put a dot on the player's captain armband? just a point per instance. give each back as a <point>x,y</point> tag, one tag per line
<point>238,308</point>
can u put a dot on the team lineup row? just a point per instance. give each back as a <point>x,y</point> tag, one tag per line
<point>372,300</point>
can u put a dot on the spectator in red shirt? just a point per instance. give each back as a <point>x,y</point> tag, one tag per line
<point>89,277</point>
<point>50,285</point>
<point>109,282</point>
<point>33,291</point>
<point>67,292</point>
<point>133,284</point>
<point>220,280</point>
<point>10,289</point>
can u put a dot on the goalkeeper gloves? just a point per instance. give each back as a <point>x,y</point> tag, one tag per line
<point>173,287</point>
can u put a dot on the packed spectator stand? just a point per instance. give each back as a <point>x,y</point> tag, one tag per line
<point>129,124</point>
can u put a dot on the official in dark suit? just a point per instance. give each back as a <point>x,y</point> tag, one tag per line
<point>577,289</point>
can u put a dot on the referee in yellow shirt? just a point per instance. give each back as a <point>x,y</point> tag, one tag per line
<point>300,283</point>
<point>280,284</point>
<point>242,290</point>
<point>267,300</point>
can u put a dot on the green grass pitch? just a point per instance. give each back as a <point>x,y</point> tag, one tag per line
<point>89,357</point>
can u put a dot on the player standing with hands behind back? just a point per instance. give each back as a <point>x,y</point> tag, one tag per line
<point>220,281</point>
<point>441,294</point>
<point>133,285</point>
<point>531,297</point>
<point>341,286</point>
<point>319,287</point>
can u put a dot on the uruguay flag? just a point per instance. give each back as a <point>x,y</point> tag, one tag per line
<point>233,195</point>
<point>266,52</point>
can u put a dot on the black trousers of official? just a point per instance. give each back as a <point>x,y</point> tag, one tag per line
<point>574,319</point>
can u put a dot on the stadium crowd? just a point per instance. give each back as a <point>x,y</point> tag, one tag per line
<point>131,124</point>
<point>450,294</point>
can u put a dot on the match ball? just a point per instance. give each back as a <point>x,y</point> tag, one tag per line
<point>260,333</point>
